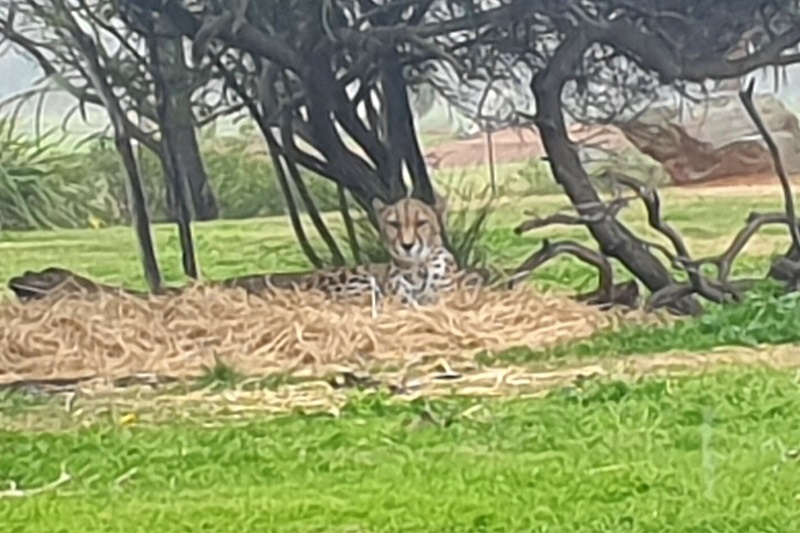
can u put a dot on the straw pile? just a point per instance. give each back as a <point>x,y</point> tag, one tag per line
<point>116,336</point>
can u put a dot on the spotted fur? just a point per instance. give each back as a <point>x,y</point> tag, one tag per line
<point>343,282</point>
<point>421,267</point>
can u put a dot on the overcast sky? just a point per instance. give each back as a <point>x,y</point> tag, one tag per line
<point>18,73</point>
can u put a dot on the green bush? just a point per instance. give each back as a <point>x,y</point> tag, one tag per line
<point>535,177</point>
<point>43,183</point>
<point>100,169</point>
<point>244,181</point>
<point>629,162</point>
<point>243,177</point>
<point>50,182</point>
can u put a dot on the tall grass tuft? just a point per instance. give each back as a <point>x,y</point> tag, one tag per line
<point>465,223</point>
<point>55,181</point>
<point>43,184</point>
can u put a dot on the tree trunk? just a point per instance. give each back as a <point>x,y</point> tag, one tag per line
<point>189,161</point>
<point>183,137</point>
<point>122,141</point>
<point>615,239</point>
<point>167,101</point>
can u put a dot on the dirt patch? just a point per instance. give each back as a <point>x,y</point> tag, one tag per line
<point>520,145</point>
<point>751,187</point>
<point>113,336</point>
<point>767,181</point>
<point>515,145</point>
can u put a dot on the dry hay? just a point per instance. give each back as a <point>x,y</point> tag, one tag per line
<point>116,336</point>
<point>97,400</point>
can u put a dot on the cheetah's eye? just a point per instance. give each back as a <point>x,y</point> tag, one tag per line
<point>394,224</point>
<point>421,223</point>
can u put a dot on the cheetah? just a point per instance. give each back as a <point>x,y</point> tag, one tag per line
<point>421,266</point>
<point>420,269</point>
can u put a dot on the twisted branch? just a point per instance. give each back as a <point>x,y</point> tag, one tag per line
<point>787,266</point>
<point>607,293</point>
<point>681,258</point>
<point>609,210</point>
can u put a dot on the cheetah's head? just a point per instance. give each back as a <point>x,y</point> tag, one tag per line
<point>410,228</point>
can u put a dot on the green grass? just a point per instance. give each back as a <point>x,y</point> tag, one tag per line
<point>237,247</point>
<point>709,453</point>
<point>706,453</point>
<point>764,317</point>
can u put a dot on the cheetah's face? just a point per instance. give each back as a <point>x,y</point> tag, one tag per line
<point>410,228</point>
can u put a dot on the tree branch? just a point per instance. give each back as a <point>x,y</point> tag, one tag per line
<point>246,37</point>
<point>654,52</point>
<point>724,261</point>
<point>50,71</point>
<point>716,293</point>
<point>607,293</point>
<point>94,73</point>
<point>611,210</point>
<point>746,97</point>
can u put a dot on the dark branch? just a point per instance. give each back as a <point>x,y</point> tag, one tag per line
<point>746,97</point>
<point>247,37</point>
<point>654,52</point>
<point>724,261</point>
<point>50,71</point>
<point>610,210</point>
<point>607,294</point>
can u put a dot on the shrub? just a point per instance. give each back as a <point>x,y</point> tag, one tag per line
<point>43,184</point>
<point>243,179</point>
<point>51,182</point>
<point>100,170</point>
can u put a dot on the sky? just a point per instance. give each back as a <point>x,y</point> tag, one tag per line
<point>19,73</point>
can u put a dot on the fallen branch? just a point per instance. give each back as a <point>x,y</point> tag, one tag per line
<point>607,293</point>
<point>717,292</point>
<point>724,261</point>
<point>666,296</point>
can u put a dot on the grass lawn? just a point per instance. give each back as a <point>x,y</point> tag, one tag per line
<point>709,453</point>
<point>230,248</point>
<point>715,452</point>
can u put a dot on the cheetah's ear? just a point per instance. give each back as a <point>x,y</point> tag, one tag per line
<point>377,204</point>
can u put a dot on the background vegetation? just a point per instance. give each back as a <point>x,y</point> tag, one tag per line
<point>57,180</point>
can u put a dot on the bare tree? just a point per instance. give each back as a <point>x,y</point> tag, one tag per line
<point>83,50</point>
<point>328,84</point>
<point>602,61</point>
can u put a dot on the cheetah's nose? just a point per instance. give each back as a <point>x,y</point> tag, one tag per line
<point>407,246</point>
